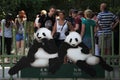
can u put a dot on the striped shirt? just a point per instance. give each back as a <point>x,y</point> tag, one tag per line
<point>105,20</point>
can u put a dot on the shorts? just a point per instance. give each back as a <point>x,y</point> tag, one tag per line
<point>19,37</point>
<point>87,41</point>
<point>107,41</point>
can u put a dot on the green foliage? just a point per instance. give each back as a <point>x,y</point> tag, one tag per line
<point>115,9</point>
<point>32,7</point>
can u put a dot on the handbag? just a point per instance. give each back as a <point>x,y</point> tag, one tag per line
<point>57,34</point>
<point>66,33</point>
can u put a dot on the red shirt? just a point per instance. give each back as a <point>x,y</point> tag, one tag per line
<point>77,20</point>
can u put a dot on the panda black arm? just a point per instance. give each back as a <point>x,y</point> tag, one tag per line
<point>33,49</point>
<point>63,50</point>
<point>49,46</point>
<point>85,49</point>
<point>55,64</point>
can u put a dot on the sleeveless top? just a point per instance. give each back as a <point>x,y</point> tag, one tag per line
<point>62,32</point>
<point>7,30</point>
<point>20,26</point>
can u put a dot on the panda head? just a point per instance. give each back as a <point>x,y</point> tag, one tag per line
<point>43,33</point>
<point>73,39</point>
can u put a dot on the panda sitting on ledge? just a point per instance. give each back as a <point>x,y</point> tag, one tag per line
<point>78,53</point>
<point>42,53</point>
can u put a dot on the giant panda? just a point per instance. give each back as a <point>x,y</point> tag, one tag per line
<point>42,53</point>
<point>78,53</point>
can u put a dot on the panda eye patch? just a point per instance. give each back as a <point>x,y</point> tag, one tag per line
<point>37,34</point>
<point>76,39</point>
<point>70,40</point>
<point>44,34</point>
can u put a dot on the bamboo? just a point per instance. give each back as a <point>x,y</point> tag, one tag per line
<point>92,40</point>
<point>112,43</point>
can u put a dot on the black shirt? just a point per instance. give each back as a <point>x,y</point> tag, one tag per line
<point>47,21</point>
<point>70,19</point>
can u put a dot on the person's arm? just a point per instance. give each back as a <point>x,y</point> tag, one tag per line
<point>98,27</point>
<point>3,22</point>
<point>13,24</point>
<point>95,27</point>
<point>76,27</point>
<point>16,23</point>
<point>36,22</point>
<point>82,30</point>
<point>77,24</point>
<point>54,28</point>
<point>39,25</point>
<point>70,26</point>
<point>115,24</point>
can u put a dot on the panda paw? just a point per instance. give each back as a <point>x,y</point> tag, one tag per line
<point>12,71</point>
<point>54,65</point>
<point>108,68</point>
<point>44,40</point>
<point>85,51</point>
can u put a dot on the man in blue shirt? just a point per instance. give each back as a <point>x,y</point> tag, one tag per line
<point>105,21</point>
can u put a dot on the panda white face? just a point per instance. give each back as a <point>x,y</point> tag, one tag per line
<point>73,39</point>
<point>43,33</point>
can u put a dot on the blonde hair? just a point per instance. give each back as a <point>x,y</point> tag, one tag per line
<point>43,12</point>
<point>88,13</point>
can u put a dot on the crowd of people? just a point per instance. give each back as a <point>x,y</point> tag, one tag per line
<point>103,23</point>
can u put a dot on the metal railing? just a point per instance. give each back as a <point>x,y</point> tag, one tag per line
<point>109,58</point>
<point>13,58</point>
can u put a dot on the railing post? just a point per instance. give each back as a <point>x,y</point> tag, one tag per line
<point>112,43</point>
<point>92,40</point>
<point>3,46</point>
<point>24,37</point>
<point>14,40</point>
<point>119,38</point>
<point>102,45</point>
<point>3,50</point>
<point>119,50</point>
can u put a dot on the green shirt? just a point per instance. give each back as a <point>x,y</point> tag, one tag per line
<point>88,23</point>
